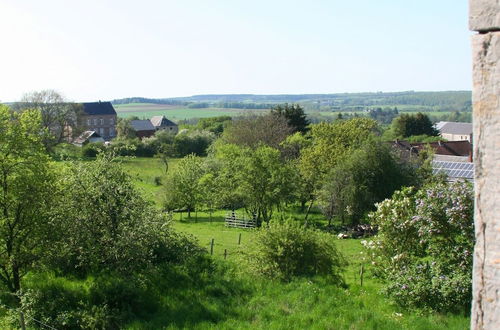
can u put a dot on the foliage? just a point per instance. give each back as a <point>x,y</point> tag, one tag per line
<point>259,177</point>
<point>192,142</point>
<point>407,125</point>
<point>294,114</point>
<point>215,125</point>
<point>59,117</point>
<point>102,223</point>
<point>284,250</point>
<point>425,243</point>
<point>124,129</point>
<point>367,176</point>
<point>91,150</point>
<point>182,185</point>
<point>253,131</point>
<point>27,187</point>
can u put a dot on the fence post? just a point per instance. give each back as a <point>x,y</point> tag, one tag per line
<point>361,274</point>
<point>212,247</point>
<point>239,239</point>
<point>21,320</point>
<point>225,254</point>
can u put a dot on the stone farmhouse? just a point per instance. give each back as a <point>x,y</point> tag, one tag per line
<point>99,117</point>
<point>162,123</point>
<point>453,131</point>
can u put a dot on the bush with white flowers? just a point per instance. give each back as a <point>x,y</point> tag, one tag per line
<point>424,246</point>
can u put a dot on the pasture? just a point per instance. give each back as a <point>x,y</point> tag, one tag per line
<point>237,299</point>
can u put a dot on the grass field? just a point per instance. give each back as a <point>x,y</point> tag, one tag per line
<point>239,300</point>
<point>176,113</point>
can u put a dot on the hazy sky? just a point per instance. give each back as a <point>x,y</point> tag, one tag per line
<point>98,49</point>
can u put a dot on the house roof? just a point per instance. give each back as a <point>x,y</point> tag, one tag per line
<point>85,136</point>
<point>454,128</point>
<point>98,108</point>
<point>159,121</point>
<point>449,148</point>
<point>142,125</point>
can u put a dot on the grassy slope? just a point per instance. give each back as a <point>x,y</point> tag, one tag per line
<point>242,301</point>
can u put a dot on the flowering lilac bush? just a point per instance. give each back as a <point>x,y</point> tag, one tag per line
<point>424,247</point>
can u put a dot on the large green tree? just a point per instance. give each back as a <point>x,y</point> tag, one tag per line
<point>366,176</point>
<point>330,144</point>
<point>27,189</point>
<point>253,131</point>
<point>58,116</point>
<point>408,125</point>
<point>294,115</point>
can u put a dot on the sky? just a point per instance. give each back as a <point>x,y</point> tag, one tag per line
<point>101,50</point>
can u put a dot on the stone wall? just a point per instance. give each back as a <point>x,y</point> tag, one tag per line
<point>485,20</point>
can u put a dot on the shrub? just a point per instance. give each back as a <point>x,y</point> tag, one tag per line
<point>425,243</point>
<point>91,150</point>
<point>286,250</point>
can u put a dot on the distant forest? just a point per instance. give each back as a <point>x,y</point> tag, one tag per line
<point>346,102</point>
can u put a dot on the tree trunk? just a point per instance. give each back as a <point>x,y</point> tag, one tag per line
<point>307,213</point>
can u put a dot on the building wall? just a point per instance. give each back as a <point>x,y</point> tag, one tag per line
<point>173,129</point>
<point>456,137</point>
<point>104,125</point>
<point>485,19</point>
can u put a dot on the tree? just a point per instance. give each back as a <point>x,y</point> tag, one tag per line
<point>367,176</point>
<point>124,129</point>
<point>58,116</point>
<point>407,125</point>
<point>330,143</point>
<point>294,114</point>
<point>253,131</point>
<point>102,221</point>
<point>182,186</point>
<point>262,181</point>
<point>28,186</point>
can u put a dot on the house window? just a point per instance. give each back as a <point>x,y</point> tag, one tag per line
<point>111,122</point>
<point>111,131</point>
<point>95,121</point>
<point>101,132</point>
<point>89,122</point>
<point>102,121</point>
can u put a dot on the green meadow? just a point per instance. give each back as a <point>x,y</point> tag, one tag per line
<point>176,113</point>
<point>235,298</point>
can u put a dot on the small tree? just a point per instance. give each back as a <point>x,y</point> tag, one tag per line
<point>182,186</point>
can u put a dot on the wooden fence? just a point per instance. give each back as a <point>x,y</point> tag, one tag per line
<point>233,220</point>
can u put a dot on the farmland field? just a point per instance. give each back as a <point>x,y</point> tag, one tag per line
<point>176,113</point>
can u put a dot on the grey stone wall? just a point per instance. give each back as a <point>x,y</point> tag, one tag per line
<point>485,19</point>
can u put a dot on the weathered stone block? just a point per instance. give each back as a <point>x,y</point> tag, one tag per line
<point>484,15</point>
<point>486,105</point>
